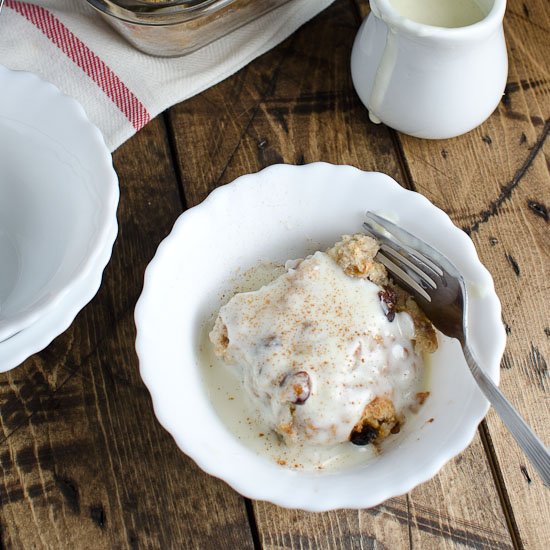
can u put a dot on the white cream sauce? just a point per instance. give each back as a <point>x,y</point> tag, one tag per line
<point>314,320</point>
<point>440,13</point>
<point>244,420</point>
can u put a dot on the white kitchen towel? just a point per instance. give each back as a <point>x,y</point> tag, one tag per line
<point>67,42</point>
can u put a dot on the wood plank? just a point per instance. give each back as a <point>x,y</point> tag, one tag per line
<point>297,104</point>
<point>494,182</point>
<point>85,463</point>
<point>432,516</point>
<point>216,134</point>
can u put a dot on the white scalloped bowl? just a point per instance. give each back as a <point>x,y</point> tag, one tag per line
<point>286,212</point>
<point>58,199</point>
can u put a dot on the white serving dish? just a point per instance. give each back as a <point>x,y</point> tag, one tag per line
<point>58,200</point>
<point>287,212</point>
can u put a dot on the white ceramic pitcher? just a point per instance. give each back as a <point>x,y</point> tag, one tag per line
<point>430,81</point>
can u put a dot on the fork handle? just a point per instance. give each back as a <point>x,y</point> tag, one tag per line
<point>532,446</point>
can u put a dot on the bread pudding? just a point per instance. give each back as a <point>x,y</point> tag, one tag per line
<point>332,351</point>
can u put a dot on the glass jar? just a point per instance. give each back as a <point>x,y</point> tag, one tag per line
<point>175,28</point>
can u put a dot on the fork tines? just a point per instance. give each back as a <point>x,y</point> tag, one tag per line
<point>405,263</point>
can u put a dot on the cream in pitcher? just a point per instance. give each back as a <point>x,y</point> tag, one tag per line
<point>441,13</point>
<point>431,68</point>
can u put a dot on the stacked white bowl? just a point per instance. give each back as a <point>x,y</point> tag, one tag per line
<point>58,200</point>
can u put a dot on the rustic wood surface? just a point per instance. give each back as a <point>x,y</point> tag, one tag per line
<point>83,462</point>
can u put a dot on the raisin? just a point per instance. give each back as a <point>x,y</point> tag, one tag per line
<point>366,435</point>
<point>388,300</point>
<point>296,387</point>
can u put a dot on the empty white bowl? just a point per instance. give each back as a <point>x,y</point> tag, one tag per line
<point>280,213</point>
<point>58,199</point>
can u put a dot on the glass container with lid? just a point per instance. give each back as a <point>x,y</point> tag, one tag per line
<point>178,27</point>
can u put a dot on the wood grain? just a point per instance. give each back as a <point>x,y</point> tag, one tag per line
<point>296,104</point>
<point>85,463</point>
<point>494,183</point>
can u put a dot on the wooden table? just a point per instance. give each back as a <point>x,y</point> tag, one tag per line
<point>83,461</point>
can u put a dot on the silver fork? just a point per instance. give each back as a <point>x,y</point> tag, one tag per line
<point>440,291</point>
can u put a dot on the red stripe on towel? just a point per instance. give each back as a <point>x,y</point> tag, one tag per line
<point>86,59</point>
